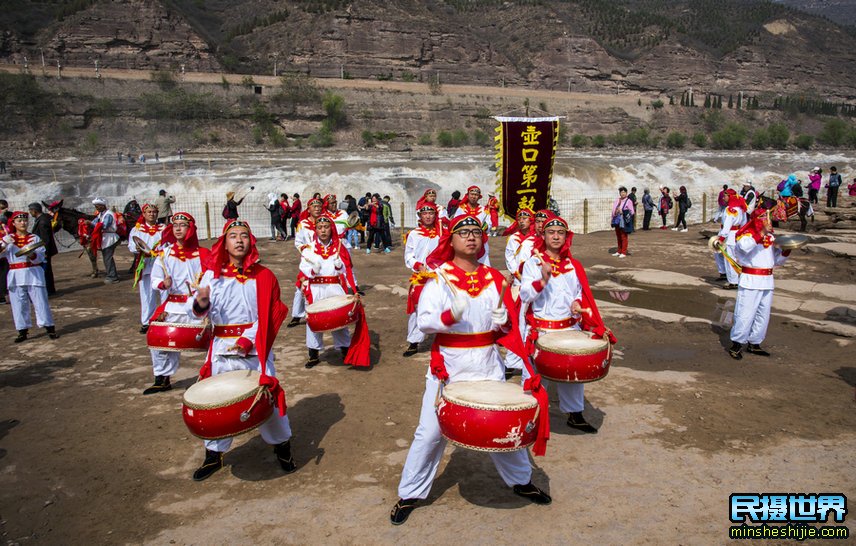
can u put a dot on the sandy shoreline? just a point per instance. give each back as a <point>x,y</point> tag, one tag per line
<point>85,458</point>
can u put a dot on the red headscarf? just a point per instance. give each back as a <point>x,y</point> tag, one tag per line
<point>10,224</point>
<point>476,188</point>
<point>191,240</point>
<point>755,225</point>
<point>437,228</point>
<point>327,200</point>
<point>305,214</point>
<point>218,259</point>
<point>513,228</point>
<point>424,199</point>
<point>444,251</point>
<point>735,201</point>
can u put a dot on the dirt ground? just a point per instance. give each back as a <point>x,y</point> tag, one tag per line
<point>84,458</point>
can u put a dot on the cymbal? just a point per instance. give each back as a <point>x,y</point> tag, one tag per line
<point>29,249</point>
<point>791,242</point>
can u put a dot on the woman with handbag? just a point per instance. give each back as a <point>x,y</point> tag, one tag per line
<point>622,221</point>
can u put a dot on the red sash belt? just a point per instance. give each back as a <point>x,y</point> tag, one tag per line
<point>546,324</point>
<point>230,330</point>
<point>754,271</point>
<point>22,265</point>
<point>735,228</point>
<point>177,298</point>
<point>324,280</point>
<point>467,341</point>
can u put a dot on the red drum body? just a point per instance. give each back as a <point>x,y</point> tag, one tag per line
<point>226,405</point>
<point>332,313</point>
<point>488,415</point>
<point>175,336</point>
<point>572,356</point>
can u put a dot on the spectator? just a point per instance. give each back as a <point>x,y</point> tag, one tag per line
<point>389,224</point>
<point>157,157</point>
<point>748,192</point>
<point>275,210</point>
<point>230,211</point>
<point>684,204</point>
<point>2,166</point>
<point>832,185</point>
<point>163,203</point>
<point>120,156</point>
<point>648,208</point>
<point>5,215</point>
<point>364,206</point>
<point>132,211</point>
<point>851,189</point>
<point>452,207</point>
<point>632,197</point>
<point>815,178</point>
<point>42,227</point>
<point>285,213</point>
<point>665,206</point>
<point>296,208</point>
<point>622,221</point>
<point>722,202</point>
<point>377,225</point>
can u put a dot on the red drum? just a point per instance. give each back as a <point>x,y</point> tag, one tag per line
<point>332,313</point>
<point>572,356</point>
<point>488,415</point>
<point>226,405</point>
<point>176,336</point>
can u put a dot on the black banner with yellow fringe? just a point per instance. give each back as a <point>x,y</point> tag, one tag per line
<point>525,148</point>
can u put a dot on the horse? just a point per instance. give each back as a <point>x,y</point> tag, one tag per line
<point>68,220</point>
<point>787,207</point>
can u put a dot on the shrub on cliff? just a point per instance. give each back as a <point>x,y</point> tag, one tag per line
<point>675,139</point>
<point>700,139</point>
<point>334,107</point>
<point>731,137</point>
<point>21,95</point>
<point>804,142</point>
<point>779,135</point>
<point>179,104</point>
<point>833,133</point>
<point>297,88</point>
<point>760,139</point>
<point>578,141</point>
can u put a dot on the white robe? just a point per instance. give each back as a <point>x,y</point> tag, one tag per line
<point>27,284</point>
<point>754,292</point>
<point>731,221</point>
<point>326,268</point>
<point>553,302</point>
<point>148,297</point>
<point>416,251</point>
<point>462,364</point>
<point>236,302</point>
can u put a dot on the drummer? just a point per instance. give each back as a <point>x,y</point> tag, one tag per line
<point>178,270</point>
<point>471,207</point>
<point>556,296</point>
<point>519,231</point>
<point>241,298</point>
<point>339,216</point>
<point>303,240</point>
<point>758,255</point>
<point>149,232</point>
<point>25,279</point>
<point>430,196</point>
<point>733,218</point>
<point>463,300</point>
<point>420,243</point>
<point>326,272</point>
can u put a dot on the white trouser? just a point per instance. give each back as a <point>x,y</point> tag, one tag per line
<point>20,298</point>
<point>148,299</point>
<point>425,453</point>
<point>414,334</point>
<point>315,340</point>
<point>730,272</point>
<point>298,306</point>
<point>720,262</point>
<point>751,315</point>
<point>571,395</point>
<point>164,362</point>
<point>275,430</point>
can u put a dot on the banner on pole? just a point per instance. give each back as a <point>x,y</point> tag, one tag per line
<point>525,148</point>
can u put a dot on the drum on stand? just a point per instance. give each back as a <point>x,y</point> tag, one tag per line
<point>332,313</point>
<point>488,415</point>
<point>226,405</point>
<point>178,336</point>
<point>572,356</point>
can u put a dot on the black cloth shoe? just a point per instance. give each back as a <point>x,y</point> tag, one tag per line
<point>344,351</point>
<point>313,359</point>
<point>731,286</point>
<point>294,322</point>
<point>722,276</point>
<point>412,349</point>
<point>283,455</point>
<point>161,385</point>
<point>144,328</point>
<point>735,350</point>
<point>577,421</point>
<point>401,510</point>
<point>212,463</point>
<point>532,494</point>
<point>756,349</point>
<point>22,335</point>
<point>51,330</point>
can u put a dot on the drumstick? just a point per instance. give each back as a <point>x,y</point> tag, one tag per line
<point>502,294</point>
<point>189,288</point>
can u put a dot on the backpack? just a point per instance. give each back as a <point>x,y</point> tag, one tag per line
<point>226,212</point>
<point>781,185</point>
<point>689,202</point>
<point>121,226</point>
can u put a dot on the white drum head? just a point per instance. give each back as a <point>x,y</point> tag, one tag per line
<point>221,388</point>
<point>489,395</point>
<point>328,304</point>
<point>571,342</point>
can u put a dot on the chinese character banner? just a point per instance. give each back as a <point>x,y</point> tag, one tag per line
<point>524,162</point>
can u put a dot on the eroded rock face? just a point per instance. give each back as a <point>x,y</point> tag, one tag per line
<point>137,34</point>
